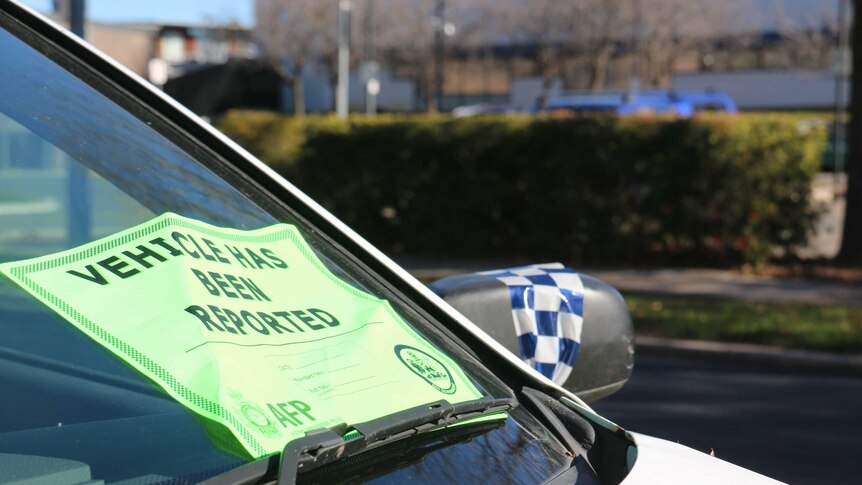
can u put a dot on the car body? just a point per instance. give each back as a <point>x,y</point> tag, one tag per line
<point>709,101</point>
<point>645,103</point>
<point>97,152</point>
<point>479,109</point>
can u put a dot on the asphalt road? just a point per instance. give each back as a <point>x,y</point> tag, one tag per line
<point>795,428</point>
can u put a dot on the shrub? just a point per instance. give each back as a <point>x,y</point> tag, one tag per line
<point>713,190</point>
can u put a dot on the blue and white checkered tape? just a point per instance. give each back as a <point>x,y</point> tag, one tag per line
<point>548,311</point>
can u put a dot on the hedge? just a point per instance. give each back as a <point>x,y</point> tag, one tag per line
<point>709,191</point>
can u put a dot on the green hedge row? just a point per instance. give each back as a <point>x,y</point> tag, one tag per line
<point>717,190</point>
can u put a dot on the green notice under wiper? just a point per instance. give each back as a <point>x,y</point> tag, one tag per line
<point>259,357</point>
<point>321,447</point>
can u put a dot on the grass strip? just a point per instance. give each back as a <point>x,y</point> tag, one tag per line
<point>798,326</point>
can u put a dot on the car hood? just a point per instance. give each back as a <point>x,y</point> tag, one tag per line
<point>662,461</point>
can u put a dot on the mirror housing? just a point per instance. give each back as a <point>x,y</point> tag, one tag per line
<point>605,357</point>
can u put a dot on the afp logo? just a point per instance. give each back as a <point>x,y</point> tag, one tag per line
<point>430,369</point>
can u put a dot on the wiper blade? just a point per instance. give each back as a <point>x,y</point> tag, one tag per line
<point>325,446</point>
<point>321,447</point>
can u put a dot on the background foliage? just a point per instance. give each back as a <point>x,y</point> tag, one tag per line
<point>712,190</point>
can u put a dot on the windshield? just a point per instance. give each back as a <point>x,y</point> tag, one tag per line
<point>83,172</point>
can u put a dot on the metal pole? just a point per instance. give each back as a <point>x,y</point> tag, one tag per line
<point>439,36</point>
<point>76,17</point>
<point>342,91</point>
<point>840,76</point>
<point>78,183</point>
<point>370,92</point>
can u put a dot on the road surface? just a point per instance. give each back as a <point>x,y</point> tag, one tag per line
<point>795,428</point>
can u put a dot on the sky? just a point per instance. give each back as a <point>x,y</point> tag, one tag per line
<point>177,11</point>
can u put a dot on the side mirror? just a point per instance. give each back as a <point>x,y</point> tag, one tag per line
<point>573,328</point>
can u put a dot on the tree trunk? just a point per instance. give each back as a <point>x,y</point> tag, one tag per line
<point>599,68</point>
<point>434,89</point>
<point>546,69</point>
<point>424,69</point>
<point>298,92</point>
<point>851,240</point>
<point>760,57</point>
<point>542,98</point>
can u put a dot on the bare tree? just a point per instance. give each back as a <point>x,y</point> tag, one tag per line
<point>597,27</point>
<point>564,31</point>
<point>291,33</point>
<point>406,31</point>
<point>406,40</point>
<point>670,27</point>
<point>810,37</point>
<point>544,25</point>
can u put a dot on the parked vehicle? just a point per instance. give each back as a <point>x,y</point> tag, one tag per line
<point>482,109</point>
<point>709,101</point>
<point>679,104</point>
<point>173,311</point>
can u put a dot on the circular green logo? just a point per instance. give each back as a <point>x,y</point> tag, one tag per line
<point>254,415</point>
<point>427,367</point>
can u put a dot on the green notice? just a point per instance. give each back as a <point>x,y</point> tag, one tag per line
<point>247,328</point>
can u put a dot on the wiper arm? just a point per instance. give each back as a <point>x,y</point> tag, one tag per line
<point>321,447</point>
<point>325,446</point>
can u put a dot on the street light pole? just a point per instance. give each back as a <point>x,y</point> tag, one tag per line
<point>439,39</point>
<point>372,84</point>
<point>76,17</point>
<point>342,90</point>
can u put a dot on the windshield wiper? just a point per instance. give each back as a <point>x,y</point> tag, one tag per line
<point>321,447</point>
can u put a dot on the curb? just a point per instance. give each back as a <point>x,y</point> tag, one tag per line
<point>764,357</point>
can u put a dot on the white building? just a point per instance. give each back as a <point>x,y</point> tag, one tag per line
<point>778,89</point>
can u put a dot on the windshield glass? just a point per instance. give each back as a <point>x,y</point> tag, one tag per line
<point>84,172</point>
